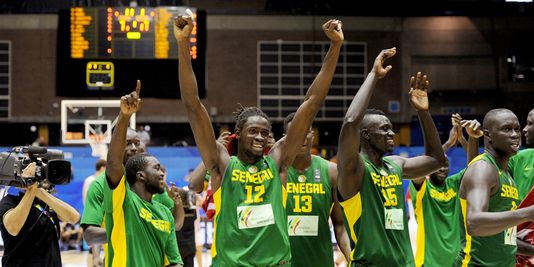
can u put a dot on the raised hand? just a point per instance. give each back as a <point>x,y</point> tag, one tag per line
<point>183,25</point>
<point>224,138</point>
<point>174,193</point>
<point>418,92</point>
<point>131,103</point>
<point>473,128</point>
<point>379,62</point>
<point>333,31</point>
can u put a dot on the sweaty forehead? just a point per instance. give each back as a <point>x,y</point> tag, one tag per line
<point>504,119</point>
<point>151,160</point>
<point>375,121</point>
<point>257,122</point>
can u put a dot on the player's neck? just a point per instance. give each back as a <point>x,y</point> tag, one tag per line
<point>373,155</point>
<point>500,159</point>
<point>245,157</point>
<point>140,189</point>
<point>302,161</point>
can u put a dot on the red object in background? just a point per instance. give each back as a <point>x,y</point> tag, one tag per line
<point>525,232</point>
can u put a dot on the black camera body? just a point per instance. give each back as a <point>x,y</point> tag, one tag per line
<point>49,162</point>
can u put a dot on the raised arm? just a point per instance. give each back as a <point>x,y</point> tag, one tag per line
<point>214,157</point>
<point>474,130</point>
<point>129,104</point>
<point>456,120</point>
<point>349,163</point>
<point>478,184</point>
<point>285,153</point>
<point>434,158</point>
<point>453,137</point>
<point>199,173</point>
<point>64,211</point>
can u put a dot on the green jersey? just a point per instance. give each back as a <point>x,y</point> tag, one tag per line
<point>140,233</point>
<point>93,211</point>
<point>164,199</point>
<point>521,167</point>
<point>437,210</point>
<point>308,208</point>
<point>376,218</point>
<point>496,250</point>
<point>250,221</point>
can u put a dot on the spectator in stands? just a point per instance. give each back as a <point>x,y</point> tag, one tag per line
<point>71,236</point>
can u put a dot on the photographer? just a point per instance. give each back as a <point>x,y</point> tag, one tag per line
<point>30,225</point>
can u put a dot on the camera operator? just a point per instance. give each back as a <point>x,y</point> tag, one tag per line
<point>30,225</point>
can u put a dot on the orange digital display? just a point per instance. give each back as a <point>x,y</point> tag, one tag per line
<point>127,32</point>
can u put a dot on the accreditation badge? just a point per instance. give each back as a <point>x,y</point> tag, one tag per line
<point>394,219</point>
<point>301,225</point>
<point>254,216</point>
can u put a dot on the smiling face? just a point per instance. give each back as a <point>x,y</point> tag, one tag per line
<point>153,176</point>
<point>378,132</point>
<point>253,137</point>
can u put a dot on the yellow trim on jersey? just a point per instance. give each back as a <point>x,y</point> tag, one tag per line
<point>284,196</point>
<point>420,253</point>
<point>467,249</point>
<point>477,158</point>
<point>217,201</point>
<point>118,234</point>
<point>352,208</point>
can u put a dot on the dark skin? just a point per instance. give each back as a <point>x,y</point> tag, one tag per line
<point>481,179</point>
<point>528,131</point>
<point>148,181</point>
<point>474,131</point>
<point>302,162</point>
<point>253,135</point>
<point>376,138</point>
<point>94,234</point>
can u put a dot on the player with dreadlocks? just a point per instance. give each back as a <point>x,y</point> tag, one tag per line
<point>251,221</point>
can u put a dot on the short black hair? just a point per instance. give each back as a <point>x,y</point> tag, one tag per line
<point>243,113</point>
<point>134,164</point>
<point>287,120</point>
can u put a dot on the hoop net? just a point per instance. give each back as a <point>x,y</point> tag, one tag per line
<point>98,145</point>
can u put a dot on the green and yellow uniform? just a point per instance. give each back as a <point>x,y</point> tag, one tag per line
<point>140,233</point>
<point>376,218</point>
<point>437,210</point>
<point>496,250</point>
<point>308,208</point>
<point>521,167</point>
<point>250,220</point>
<point>93,211</point>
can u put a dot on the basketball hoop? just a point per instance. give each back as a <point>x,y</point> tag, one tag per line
<point>98,145</point>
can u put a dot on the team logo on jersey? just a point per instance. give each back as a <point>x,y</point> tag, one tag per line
<point>317,175</point>
<point>301,178</point>
<point>252,169</point>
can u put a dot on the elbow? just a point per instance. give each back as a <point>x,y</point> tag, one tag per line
<point>13,228</point>
<point>73,217</point>
<point>473,227</point>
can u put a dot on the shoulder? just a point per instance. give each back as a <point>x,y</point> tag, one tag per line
<point>481,171</point>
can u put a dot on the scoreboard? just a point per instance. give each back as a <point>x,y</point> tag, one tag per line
<point>101,51</point>
<point>126,32</point>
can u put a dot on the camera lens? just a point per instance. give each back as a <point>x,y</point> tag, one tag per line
<point>58,171</point>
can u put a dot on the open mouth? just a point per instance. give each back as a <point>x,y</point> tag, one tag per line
<point>515,146</point>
